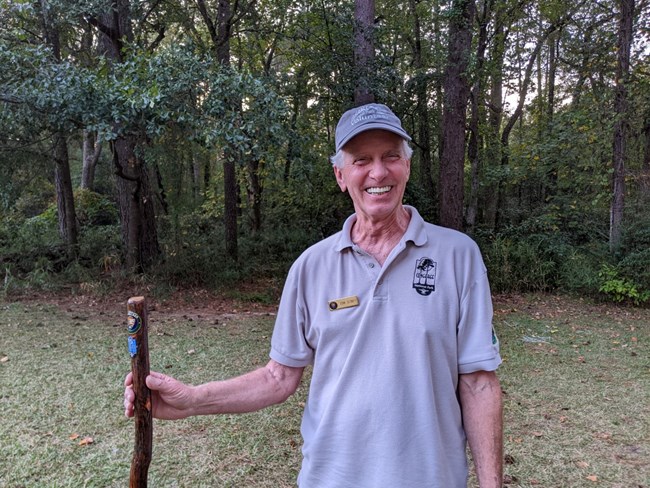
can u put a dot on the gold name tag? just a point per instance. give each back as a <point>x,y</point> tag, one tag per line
<point>346,302</point>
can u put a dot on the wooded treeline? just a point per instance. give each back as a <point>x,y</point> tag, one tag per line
<point>190,139</point>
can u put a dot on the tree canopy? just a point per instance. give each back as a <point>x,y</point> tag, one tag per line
<point>203,130</point>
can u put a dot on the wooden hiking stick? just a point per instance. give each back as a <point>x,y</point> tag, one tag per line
<point>139,351</point>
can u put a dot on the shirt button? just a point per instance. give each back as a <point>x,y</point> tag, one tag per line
<point>371,265</point>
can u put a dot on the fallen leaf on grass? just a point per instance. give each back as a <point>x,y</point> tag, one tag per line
<point>74,436</point>
<point>582,464</point>
<point>537,434</point>
<point>508,479</point>
<point>592,478</point>
<point>85,441</point>
<point>4,359</point>
<point>191,351</point>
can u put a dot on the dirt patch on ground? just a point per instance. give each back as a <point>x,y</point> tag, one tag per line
<point>202,304</point>
<point>546,306</point>
<point>190,304</point>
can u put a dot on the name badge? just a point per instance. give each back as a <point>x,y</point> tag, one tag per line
<point>341,303</point>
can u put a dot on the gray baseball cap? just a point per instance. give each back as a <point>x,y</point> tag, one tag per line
<point>366,117</point>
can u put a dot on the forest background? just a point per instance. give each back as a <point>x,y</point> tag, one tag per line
<point>186,143</point>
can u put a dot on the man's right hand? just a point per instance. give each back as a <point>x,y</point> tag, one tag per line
<point>170,399</point>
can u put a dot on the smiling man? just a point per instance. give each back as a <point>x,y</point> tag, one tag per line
<point>395,316</point>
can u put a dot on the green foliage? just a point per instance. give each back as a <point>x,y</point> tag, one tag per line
<point>519,264</point>
<point>94,209</point>
<point>34,256</point>
<point>537,256</point>
<point>544,214</point>
<point>621,289</point>
<point>634,263</point>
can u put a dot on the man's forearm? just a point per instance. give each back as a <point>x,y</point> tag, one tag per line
<point>250,392</point>
<point>480,397</point>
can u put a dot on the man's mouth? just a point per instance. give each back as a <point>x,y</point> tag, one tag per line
<point>378,190</point>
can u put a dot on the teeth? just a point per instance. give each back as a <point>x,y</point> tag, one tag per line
<point>378,190</point>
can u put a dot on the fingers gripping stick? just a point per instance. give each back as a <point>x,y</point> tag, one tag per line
<point>139,351</point>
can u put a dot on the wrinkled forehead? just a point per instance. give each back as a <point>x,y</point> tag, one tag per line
<point>374,140</point>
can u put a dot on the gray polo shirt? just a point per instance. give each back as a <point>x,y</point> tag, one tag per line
<point>387,344</point>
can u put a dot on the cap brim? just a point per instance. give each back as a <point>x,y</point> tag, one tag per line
<point>370,126</point>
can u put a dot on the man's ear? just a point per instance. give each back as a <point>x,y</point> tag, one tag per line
<point>339,178</point>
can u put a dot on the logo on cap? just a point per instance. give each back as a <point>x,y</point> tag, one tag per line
<point>368,113</point>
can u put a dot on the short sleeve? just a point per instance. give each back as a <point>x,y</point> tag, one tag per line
<point>478,346</point>
<point>289,345</point>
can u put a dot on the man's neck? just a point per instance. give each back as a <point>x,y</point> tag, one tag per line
<point>379,238</point>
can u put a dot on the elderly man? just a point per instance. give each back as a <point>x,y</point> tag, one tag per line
<point>395,316</point>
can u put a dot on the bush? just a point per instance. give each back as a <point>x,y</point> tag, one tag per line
<point>580,271</point>
<point>518,265</point>
<point>94,209</point>
<point>634,264</point>
<point>529,257</point>
<point>621,289</point>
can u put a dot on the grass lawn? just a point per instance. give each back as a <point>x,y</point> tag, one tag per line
<point>576,378</point>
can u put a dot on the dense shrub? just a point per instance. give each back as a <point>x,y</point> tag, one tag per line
<point>94,209</point>
<point>34,255</point>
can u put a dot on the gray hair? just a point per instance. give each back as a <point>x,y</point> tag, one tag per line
<point>337,159</point>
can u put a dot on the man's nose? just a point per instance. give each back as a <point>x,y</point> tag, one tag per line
<point>378,169</point>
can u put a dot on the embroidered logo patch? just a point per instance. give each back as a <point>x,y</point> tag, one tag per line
<point>424,277</point>
<point>367,113</point>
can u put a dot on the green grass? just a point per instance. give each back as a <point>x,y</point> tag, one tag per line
<point>577,402</point>
<point>577,406</point>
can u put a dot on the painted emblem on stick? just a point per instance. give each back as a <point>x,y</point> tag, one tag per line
<point>133,346</point>
<point>133,322</point>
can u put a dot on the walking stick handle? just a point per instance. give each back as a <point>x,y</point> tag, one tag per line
<point>139,351</point>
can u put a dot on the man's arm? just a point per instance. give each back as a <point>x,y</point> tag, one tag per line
<point>480,399</point>
<point>172,399</point>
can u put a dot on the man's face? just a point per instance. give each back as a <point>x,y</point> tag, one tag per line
<point>374,173</point>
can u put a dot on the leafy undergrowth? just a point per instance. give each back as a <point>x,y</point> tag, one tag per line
<point>575,377</point>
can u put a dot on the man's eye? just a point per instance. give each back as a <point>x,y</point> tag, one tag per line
<point>361,160</point>
<point>391,158</point>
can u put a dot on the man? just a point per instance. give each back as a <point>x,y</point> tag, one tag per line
<point>395,316</point>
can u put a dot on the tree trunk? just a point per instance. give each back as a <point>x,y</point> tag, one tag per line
<point>254,190</point>
<point>424,130</point>
<point>67,217</point>
<point>645,167</point>
<point>550,188</point>
<point>495,117</point>
<point>299,101</point>
<point>224,22</point>
<point>525,85</point>
<point>456,94</point>
<point>137,214</point>
<point>621,123</point>
<point>196,177</point>
<point>364,50</point>
<point>64,194</point>
<point>91,151</point>
<point>220,33</point>
<point>474,147</point>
